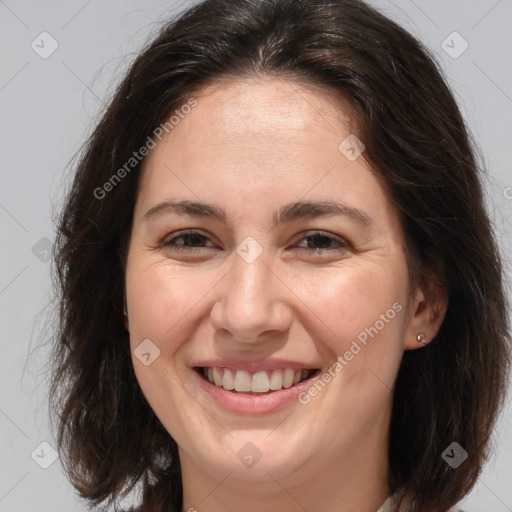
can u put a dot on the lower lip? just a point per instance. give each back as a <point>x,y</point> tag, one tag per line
<point>253,404</point>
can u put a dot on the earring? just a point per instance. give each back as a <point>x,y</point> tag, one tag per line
<point>420,338</point>
<point>124,309</point>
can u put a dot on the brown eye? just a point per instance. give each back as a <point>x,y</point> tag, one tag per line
<point>186,241</point>
<point>322,242</point>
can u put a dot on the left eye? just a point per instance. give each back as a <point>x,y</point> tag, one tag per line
<point>315,242</point>
<point>322,240</point>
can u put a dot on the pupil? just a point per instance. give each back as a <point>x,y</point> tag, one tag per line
<point>193,237</point>
<point>319,237</point>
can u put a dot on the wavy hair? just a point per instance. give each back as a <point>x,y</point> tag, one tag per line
<point>419,148</point>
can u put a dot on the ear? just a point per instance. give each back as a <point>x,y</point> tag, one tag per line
<point>426,313</point>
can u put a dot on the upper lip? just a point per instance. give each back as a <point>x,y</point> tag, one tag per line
<point>254,366</point>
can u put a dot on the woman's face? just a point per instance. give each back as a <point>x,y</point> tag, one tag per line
<point>268,288</point>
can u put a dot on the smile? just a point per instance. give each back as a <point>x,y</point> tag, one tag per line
<point>252,392</point>
<point>265,381</point>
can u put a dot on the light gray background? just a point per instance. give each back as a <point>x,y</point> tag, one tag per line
<point>49,105</point>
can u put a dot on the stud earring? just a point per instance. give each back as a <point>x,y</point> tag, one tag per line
<point>420,338</point>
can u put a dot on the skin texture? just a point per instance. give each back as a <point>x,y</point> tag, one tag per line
<point>251,147</point>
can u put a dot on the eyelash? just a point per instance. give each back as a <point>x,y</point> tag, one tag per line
<point>343,244</point>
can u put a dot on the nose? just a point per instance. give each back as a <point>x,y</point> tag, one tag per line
<point>252,304</point>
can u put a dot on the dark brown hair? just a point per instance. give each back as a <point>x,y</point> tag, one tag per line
<point>416,143</point>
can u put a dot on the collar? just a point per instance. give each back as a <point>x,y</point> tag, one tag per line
<point>388,505</point>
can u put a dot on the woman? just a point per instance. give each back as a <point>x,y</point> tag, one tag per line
<point>279,285</point>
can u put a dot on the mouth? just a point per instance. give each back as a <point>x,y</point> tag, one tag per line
<point>263,382</point>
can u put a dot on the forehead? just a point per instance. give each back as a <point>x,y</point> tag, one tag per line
<point>255,143</point>
<point>261,105</point>
<point>272,123</point>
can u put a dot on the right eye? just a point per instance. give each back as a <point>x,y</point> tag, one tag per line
<point>192,241</point>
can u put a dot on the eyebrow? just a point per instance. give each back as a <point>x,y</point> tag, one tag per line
<point>287,213</point>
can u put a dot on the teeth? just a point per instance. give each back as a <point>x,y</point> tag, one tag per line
<point>242,381</point>
<point>288,378</point>
<point>217,377</point>
<point>259,382</point>
<point>228,381</point>
<point>276,380</point>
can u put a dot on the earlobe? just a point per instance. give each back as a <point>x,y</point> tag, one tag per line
<point>427,313</point>
<point>421,338</point>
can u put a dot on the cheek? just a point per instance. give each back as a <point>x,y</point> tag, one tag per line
<point>358,303</point>
<point>161,301</point>
<point>163,306</point>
